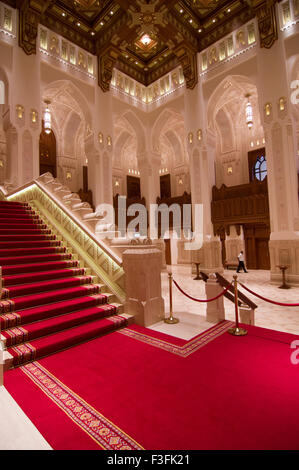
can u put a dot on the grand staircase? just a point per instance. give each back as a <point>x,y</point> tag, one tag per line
<point>48,302</point>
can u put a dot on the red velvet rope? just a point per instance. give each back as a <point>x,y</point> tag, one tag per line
<point>268,300</point>
<point>198,300</point>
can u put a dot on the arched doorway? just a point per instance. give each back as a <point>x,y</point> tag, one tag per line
<point>47,153</point>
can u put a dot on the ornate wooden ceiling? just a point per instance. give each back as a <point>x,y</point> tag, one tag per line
<point>143,38</point>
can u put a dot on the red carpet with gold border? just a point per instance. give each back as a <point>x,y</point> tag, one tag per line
<point>139,389</point>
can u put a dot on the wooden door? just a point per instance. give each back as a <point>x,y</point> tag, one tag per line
<point>165,187</point>
<point>257,246</point>
<point>133,187</point>
<point>262,253</point>
<point>47,153</point>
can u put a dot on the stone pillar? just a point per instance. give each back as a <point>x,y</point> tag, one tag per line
<point>201,149</point>
<point>3,148</point>
<point>215,310</point>
<point>149,165</point>
<point>99,147</point>
<point>282,159</point>
<point>25,103</point>
<point>1,367</point>
<point>143,285</point>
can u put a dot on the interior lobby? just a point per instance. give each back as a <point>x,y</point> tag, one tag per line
<point>110,109</point>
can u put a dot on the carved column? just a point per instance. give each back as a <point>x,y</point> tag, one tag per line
<point>149,164</point>
<point>281,154</point>
<point>3,148</point>
<point>201,149</point>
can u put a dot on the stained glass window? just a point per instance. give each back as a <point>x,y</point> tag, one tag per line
<point>260,168</point>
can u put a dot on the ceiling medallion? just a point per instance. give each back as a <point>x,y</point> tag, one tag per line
<point>146,42</point>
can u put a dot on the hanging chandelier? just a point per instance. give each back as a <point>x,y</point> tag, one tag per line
<point>47,118</point>
<point>249,112</point>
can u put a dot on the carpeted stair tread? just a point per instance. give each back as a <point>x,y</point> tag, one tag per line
<point>35,267</point>
<point>56,342</point>
<point>13,204</point>
<point>17,227</point>
<point>41,312</point>
<point>42,276</point>
<point>34,259</point>
<point>46,286</point>
<point>15,219</point>
<point>29,244</point>
<point>25,230</point>
<point>15,336</point>
<point>25,236</point>
<point>47,297</point>
<point>7,253</point>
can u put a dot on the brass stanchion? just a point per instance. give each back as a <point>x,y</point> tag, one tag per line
<point>171,320</point>
<point>237,331</point>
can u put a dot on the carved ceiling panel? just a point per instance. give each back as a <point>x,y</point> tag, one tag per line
<point>143,38</point>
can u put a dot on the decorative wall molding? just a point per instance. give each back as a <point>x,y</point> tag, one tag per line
<point>267,22</point>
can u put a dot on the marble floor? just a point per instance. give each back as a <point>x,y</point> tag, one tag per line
<point>192,314</point>
<point>17,432</point>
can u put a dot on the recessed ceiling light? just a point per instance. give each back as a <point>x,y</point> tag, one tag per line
<point>181,11</point>
<point>146,40</point>
<point>63,14</point>
<point>92,33</point>
<point>78,24</point>
<point>191,21</point>
<point>228,11</point>
<point>101,23</point>
<point>214,21</point>
<point>200,30</point>
<point>111,12</point>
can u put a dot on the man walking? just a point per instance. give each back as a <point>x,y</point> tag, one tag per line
<point>241,263</point>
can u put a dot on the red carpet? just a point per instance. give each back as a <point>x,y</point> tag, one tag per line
<point>47,298</point>
<point>139,389</point>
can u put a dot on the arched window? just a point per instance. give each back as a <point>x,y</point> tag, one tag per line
<point>2,92</point>
<point>260,168</point>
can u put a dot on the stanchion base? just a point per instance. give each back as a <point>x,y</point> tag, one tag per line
<point>237,332</point>
<point>171,321</point>
<point>284,286</point>
<point>197,278</point>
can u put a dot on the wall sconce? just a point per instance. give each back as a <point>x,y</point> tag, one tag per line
<point>268,109</point>
<point>180,181</point>
<point>282,106</point>
<point>100,137</point>
<point>68,175</point>
<point>199,135</point>
<point>109,141</point>
<point>20,111</point>
<point>34,116</point>
<point>1,164</point>
<point>116,184</point>
<point>190,138</point>
<point>230,170</point>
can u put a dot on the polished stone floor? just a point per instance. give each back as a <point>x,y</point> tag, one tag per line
<point>192,314</point>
